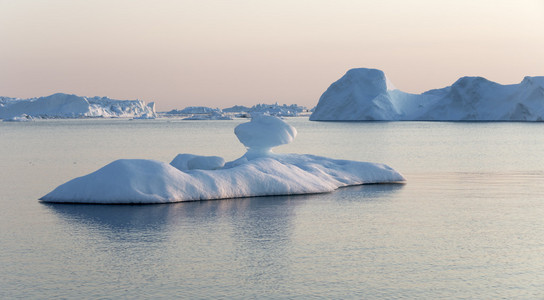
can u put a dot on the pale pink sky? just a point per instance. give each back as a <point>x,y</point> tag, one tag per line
<point>222,53</point>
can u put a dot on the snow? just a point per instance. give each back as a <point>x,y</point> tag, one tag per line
<point>367,94</point>
<point>72,106</point>
<point>192,177</point>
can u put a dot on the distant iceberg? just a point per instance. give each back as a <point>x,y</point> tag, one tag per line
<point>72,106</point>
<point>198,113</point>
<point>367,94</point>
<point>237,111</point>
<point>193,110</point>
<point>189,177</point>
<point>278,110</point>
<point>20,118</point>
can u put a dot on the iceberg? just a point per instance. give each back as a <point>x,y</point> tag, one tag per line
<point>236,109</point>
<point>194,110</point>
<point>189,177</point>
<point>216,115</point>
<point>72,106</point>
<point>277,110</point>
<point>198,113</point>
<point>208,113</point>
<point>367,95</point>
<point>21,118</point>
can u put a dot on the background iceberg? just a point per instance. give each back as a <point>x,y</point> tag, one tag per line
<point>366,94</point>
<point>193,177</point>
<point>208,113</point>
<point>72,106</point>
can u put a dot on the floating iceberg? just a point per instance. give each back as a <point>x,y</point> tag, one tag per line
<point>21,118</point>
<point>277,110</point>
<point>367,94</point>
<point>237,109</point>
<point>216,115</point>
<point>198,113</point>
<point>189,110</point>
<point>208,113</point>
<point>72,106</point>
<point>260,172</point>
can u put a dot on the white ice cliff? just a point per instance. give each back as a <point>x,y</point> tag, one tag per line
<point>366,94</point>
<point>260,172</point>
<point>72,106</point>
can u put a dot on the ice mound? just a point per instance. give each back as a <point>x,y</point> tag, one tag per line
<point>366,94</point>
<point>263,133</point>
<point>193,177</point>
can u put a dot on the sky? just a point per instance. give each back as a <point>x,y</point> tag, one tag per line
<point>222,53</point>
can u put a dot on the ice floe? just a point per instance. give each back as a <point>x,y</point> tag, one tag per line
<point>189,177</point>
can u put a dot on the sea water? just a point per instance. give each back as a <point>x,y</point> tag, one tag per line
<point>468,223</point>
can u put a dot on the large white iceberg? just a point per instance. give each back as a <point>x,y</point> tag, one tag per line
<point>366,94</point>
<point>260,172</point>
<point>72,106</point>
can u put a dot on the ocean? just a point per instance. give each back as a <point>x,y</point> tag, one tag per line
<point>468,222</point>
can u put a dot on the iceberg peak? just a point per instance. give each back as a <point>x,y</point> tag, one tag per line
<point>361,94</point>
<point>367,95</point>
<point>263,133</point>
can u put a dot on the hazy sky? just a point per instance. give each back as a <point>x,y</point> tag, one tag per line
<point>221,53</point>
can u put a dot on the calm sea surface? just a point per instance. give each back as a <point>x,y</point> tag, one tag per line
<point>469,222</point>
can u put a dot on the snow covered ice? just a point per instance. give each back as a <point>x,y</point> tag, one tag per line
<point>72,106</point>
<point>189,177</point>
<point>263,133</point>
<point>367,94</point>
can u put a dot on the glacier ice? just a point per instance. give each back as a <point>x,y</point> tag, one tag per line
<point>367,94</point>
<point>192,177</point>
<point>72,106</point>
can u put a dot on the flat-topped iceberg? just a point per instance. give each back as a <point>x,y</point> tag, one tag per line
<point>366,94</point>
<point>72,106</point>
<point>260,172</point>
